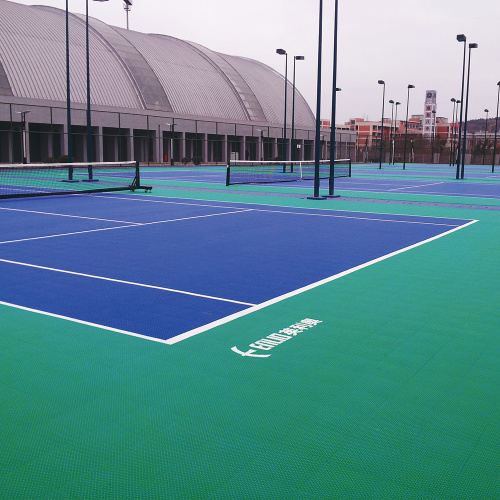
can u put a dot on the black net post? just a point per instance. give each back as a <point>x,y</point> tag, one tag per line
<point>228,173</point>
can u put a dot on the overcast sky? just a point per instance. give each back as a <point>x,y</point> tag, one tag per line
<point>400,41</point>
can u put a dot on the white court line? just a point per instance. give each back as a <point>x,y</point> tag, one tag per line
<point>64,234</point>
<point>65,215</point>
<point>245,312</point>
<point>74,320</point>
<point>131,224</point>
<point>326,210</point>
<point>421,185</point>
<point>123,282</point>
<point>461,195</point>
<point>361,218</point>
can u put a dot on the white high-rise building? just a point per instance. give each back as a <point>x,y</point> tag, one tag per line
<point>429,122</point>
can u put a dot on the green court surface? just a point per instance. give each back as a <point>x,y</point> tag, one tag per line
<point>393,394</point>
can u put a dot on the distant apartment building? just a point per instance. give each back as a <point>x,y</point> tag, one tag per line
<point>369,132</point>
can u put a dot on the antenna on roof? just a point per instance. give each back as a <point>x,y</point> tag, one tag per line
<point>127,5</point>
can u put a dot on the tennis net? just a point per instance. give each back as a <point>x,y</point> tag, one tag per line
<point>260,172</point>
<point>41,179</point>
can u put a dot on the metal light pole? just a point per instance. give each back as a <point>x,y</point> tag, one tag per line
<point>127,5</point>
<point>395,135</point>
<point>496,130</point>
<point>391,101</point>
<point>455,152</point>
<point>24,146</point>
<point>452,129</point>
<point>461,38</point>
<point>433,136</point>
<point>261,149</point>
<point>333,134</point>
<point>317,145</point>
<point>283,52</point>
<point>331,181</point>
<point>471,46</point>
<point>295,58</point>
<point>68,98</point>
<point>485,131</point>
<point>89,120</point>
<point>381,82</point>
<point>68,101</point>
<point>171,153</point>
<point>406,123</point>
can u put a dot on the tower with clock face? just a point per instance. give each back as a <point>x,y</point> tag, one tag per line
<point>429,123</point>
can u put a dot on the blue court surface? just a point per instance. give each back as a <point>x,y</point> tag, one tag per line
<point>167,268</point>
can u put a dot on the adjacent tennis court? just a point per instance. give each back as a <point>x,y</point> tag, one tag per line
<point>243,341</point>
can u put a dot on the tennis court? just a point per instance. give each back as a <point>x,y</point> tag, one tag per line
<point>212,341</point>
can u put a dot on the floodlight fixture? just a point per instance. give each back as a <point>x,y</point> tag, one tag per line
<point>461,38</point>
<point>281,52</point>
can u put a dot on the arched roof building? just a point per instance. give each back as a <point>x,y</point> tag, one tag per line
<point>149,93</point>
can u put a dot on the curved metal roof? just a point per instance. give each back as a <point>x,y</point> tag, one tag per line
<point>135,70</point>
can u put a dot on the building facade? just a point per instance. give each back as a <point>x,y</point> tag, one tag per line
<point>154,98</point>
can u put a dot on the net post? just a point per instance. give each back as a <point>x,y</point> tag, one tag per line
<point>228,173</point>
<point>331,181</point>
<point>70,174</point>
<point>137,173</point>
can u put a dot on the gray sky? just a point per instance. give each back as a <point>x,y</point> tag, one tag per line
<point>400,41</point>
